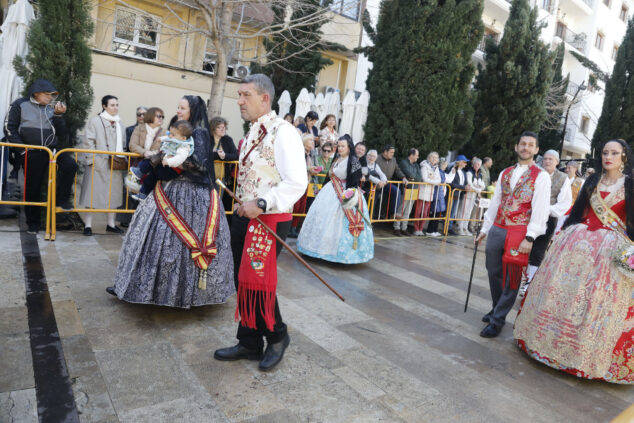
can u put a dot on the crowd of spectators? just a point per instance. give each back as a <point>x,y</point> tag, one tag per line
<point>412,193</point>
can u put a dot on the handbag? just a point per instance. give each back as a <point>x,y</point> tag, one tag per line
<point>118,163</point>
<point>513,262</point>
<point>115,162</point>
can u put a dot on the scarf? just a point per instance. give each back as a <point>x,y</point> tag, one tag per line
<point>150,135</point>
<point>201,252</point>
<point>107,116</point>
<point>257,277</point>
<point>355,219</point>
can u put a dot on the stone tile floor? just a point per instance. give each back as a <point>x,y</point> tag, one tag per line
<point>400,349</point>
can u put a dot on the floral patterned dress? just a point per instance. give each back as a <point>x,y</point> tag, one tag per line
<point>325,233</point>
<point>578,314</point>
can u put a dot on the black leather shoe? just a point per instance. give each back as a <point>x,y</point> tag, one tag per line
<point>66,205</point>
<point>238,352</point>
<point>405,233</point>
<point>110,290</point>
<point>274,354</point>
<point>486,318</point>
<point>88,231</point>
<point>491,331</point>
<point>114,230</point>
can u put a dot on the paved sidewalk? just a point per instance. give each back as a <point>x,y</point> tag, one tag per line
<point>400,349</point>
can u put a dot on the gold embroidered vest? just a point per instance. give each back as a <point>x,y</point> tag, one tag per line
<point>257,173</point>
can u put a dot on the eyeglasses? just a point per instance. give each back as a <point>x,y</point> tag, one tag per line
<point>140,114</point>
<point>327,151</point>
<point>160,116</point>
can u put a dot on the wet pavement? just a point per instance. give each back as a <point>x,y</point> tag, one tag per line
<point>400,349</point>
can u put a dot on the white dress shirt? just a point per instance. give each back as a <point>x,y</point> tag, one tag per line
<point>291,165</point>
<point>564,200</point>
<point>540,204</point>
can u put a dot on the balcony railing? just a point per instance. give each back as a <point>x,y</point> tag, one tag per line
<point>483,42</point>
<point>571,133</point>
<point>578,41</point>
<point>572,88</point>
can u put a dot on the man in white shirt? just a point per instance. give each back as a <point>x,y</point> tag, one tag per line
<point>560,202</point>
<point>518,210</point>
<point>271,178</point>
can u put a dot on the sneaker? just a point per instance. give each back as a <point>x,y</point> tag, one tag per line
<point>419,233</point>
<point>435,234</point>
<point>139,197</point>
<point>66,205</point>
<point>114,229</point>
<point>132,182</point>
<point>33,229</point>
<point>136,172</point>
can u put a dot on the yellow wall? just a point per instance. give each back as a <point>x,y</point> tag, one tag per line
<point>148,83</point>
<point>137,84</point>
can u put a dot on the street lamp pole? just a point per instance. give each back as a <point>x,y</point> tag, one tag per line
<point>580,88</point>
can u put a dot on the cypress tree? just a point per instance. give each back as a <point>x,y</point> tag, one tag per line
<point>511,90</point>
<point>294,58</point>
<point>58,51</point>
<point>550,135</point>
<point>617,115</point>
<point>421,73</point>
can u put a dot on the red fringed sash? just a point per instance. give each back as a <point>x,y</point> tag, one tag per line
<point>355,218</point>
<point>513,262</point>
<point>202,252</point>
<point>257,277</point>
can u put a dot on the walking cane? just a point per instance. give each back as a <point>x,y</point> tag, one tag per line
<point>284,244</point>
<point>475,252</point>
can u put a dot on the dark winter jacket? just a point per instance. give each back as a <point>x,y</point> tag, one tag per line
<point>28,122</point>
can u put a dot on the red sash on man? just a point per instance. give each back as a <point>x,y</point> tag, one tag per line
<point>355,219</point>
<point>257,277</point>
<point>514,215</point>
<point>202,252</point>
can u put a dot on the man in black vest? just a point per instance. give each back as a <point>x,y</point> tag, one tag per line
<point>560,202</point>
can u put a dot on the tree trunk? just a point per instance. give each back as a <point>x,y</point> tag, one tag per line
<point>220,75</point>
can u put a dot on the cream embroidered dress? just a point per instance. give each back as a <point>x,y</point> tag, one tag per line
<point>578,314</point>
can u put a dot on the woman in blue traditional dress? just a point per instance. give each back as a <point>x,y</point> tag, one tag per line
<point>156,264</point>
<point>330,232</point>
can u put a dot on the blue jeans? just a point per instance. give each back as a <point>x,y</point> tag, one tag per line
<point>154,174</point>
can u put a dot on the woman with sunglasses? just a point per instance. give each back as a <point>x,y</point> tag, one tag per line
<point>324,160</point>
<point>146,138</point>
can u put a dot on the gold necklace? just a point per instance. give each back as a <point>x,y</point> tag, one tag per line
<point>604,181</point>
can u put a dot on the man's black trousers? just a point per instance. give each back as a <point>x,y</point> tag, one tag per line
<point>252,338</point>
<point>36,174</point>
<point>541,243</point>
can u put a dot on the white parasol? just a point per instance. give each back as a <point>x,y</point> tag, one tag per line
<point>13,42</point>
<point>302,103</point>
<point>284,103</point>
<point>360,115</point>
<point>347,119</point>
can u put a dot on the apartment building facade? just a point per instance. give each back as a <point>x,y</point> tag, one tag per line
<point>143,54</point>
<point>591,28</point>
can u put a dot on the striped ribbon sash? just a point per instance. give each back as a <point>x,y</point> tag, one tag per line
<point>201,252</point>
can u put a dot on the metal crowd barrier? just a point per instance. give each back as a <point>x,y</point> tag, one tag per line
<point>384,204</point>
<point>412,192</point>
<point>112,208</point>
<point>461,203</point>
<point>50,183</point>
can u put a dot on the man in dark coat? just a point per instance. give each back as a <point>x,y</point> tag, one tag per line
<point>37,120</point>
